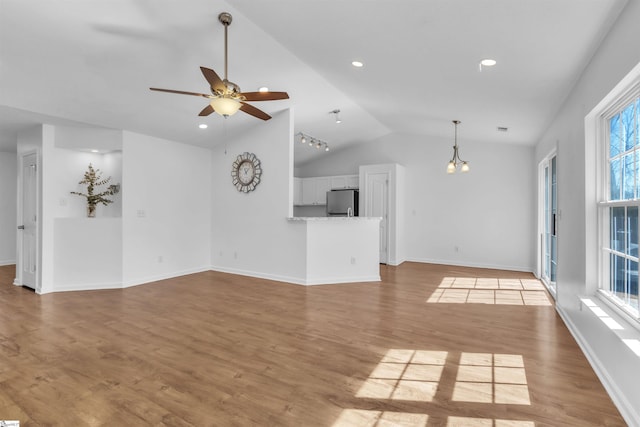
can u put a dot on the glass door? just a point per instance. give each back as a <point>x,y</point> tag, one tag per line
<point>549,238</point>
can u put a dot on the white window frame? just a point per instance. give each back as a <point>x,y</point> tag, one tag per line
<point>597,136</point>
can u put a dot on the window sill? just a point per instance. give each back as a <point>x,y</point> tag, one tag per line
<point>616,312</point>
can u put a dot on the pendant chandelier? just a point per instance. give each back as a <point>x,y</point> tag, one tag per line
<point>456,160</point>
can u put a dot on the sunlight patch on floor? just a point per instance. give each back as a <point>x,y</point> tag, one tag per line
<point>405,375</point>
<point>485,422</point>
<point>414,375</point>
<point>470,290</point>
<point>370,418</point>
<point>491,378</point>
<point>361,417</point>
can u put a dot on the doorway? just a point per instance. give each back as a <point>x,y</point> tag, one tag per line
<point>28,230</point>
<point>377,205</point>
<point>548,222</point>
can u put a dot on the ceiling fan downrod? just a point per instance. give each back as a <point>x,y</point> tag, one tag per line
<point>225,18</point>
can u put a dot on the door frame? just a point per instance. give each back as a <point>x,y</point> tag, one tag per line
<point>545,162</point>
<point>20,211</point>
<point>365,172</point>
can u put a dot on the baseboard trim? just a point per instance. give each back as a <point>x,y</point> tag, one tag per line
<point>471,264</point>
<point>121,285</point>
<point>341,280</point>
<point>156,278</point>
<point>91,287</point>
<point>258,275</point>
<point>297,280</point>
<point>7,262</point>
<point>627,410</point>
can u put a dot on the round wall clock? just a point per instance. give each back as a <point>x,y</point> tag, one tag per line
<point>246,172</point>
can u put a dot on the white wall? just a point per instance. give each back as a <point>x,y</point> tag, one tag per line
<point>615,363</point>
<point>250,233</point>
<point>488,213</point>
<point>166,208</point>
<point>8,194</point>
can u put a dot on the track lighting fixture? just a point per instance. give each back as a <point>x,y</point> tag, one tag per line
<point>312,141</point>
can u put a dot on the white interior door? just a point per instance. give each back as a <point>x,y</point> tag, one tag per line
<point>29,239</point>
<point>378,205</point>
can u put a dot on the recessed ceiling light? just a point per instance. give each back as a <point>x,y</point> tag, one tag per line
<point>95,151</point>
<point>357,64</point>
<point>263,89</point>
<point>488,62</point>
<point>202,126</point>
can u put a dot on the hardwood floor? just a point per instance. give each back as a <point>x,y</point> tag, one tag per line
<point>421,348</point>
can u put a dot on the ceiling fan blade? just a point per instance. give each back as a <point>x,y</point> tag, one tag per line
<point>180,92</point>
<point>265,96</point>
<point>206,111</point>
<point>214,80</point>
<point>255,112</point>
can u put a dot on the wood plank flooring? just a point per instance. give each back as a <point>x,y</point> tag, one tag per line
<point>429,346</point>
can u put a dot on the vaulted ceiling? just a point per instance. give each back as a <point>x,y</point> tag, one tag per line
<point>93,61</point>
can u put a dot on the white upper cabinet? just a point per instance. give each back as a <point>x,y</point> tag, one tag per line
<point>341,182</point>
<point>313,191</point>
<point>297,191</point>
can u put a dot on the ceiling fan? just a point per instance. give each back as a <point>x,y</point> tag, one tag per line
<point>226,97</point>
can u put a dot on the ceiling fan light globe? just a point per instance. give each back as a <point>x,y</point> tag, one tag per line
<point>225,106</point>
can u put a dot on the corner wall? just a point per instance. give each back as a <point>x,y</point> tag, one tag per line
<point>166,206</point>
<point>250,234</point>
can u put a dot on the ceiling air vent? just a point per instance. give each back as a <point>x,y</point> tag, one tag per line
<point>502,129</point>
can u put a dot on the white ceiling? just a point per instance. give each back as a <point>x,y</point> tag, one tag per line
<point>92,61</point>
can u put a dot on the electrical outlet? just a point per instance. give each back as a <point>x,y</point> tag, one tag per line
<point>353,260</point>
<point>235,255</point>
<point>160,259</point>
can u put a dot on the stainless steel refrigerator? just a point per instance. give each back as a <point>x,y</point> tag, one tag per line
<point>342,203</point>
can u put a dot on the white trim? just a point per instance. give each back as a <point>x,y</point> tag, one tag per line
<point>596,126</point>
<point>327,280</point>
<point>92,287</point>
<point>620,309</point>
<point>165,276</point>
<point>629,412</point>
<point>539,267</point>
<point>7,262</point>
<point>473,264</point>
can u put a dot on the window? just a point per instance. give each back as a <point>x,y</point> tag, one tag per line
<point>620,200</point>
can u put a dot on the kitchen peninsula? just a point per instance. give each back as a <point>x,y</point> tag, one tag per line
<point>339,249</point>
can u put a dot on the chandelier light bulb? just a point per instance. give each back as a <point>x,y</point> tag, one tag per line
<point>451,168</point>
<point>465,167</point>
<point>303,139</point>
